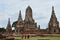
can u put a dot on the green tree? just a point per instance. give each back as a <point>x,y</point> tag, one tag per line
<point>2,30</point>
<point>14,24</point>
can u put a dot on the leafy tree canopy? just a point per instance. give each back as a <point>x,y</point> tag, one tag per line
<point>14,24</point>
<point>2,30</point>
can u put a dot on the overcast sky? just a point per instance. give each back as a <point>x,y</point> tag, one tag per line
<point>41,10</point>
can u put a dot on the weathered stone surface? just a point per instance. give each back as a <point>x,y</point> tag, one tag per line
<point>28,24</point>
<point>8,28</point>
<point>53,25</point>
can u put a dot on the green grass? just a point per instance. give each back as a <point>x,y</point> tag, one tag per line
<point>37,37</point>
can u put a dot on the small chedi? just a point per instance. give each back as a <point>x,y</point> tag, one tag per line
<point>29,26</point>
<point>8,28</point>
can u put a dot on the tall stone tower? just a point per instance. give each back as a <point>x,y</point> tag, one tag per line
<point>28,15</point>
<point>19,25</point>
<point>8,28</point>
<point>53,23</point>
<point>29,23</point>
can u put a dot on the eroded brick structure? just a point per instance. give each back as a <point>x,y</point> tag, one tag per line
<point>53,25</point>
<point>8,28</point>
<point>29,26</point>
<point>20,25</point>
<point>29,23</point>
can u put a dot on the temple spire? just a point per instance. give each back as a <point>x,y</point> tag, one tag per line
<point>52,9</point>
<point>29,12</point>
<point>53,13</point>
<point>8,28</point>
<point>9,22</point>
<point>20,17</point>
<point>53,23</point>
<point>28,16</point>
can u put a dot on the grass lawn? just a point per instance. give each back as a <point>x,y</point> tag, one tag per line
<point>38,38</point>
